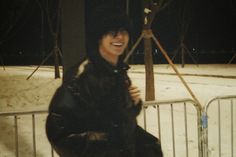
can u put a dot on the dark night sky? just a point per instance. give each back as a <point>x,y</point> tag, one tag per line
<point>212,25</point>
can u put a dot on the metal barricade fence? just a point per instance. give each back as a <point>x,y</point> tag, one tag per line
<point>21,134</point>
<point>177,125</point>
<point>182,127</point>
<point>219,129</point>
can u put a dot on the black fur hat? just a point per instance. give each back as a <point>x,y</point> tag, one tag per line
<point>100,21</point>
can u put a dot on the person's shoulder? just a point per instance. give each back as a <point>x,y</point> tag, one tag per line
<point>123,66</point>
<point>73,70</point>
<point>60,99</point>
<point>80,69</point>
<point>82,76</point>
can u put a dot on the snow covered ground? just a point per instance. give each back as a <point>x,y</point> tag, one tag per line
<point>206,81</point>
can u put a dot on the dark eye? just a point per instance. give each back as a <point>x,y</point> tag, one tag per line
<point>112,33</point>
<point>123,32</point>
<point>120,31</point>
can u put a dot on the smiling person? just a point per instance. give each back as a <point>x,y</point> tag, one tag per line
<point>94,113</point>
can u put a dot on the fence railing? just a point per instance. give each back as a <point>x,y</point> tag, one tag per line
<point>28,140</point>
<point>219,119</point>
<point>175,119</point>
<point>183,128</point>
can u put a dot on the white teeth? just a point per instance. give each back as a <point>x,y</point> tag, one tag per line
<point>117,44</point>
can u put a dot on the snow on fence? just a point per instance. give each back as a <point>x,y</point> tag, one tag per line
<point>183,128</point>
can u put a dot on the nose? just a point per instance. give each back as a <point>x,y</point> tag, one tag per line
<point>119,35</point>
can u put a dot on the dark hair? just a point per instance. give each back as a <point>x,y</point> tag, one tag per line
<point>102,20</point>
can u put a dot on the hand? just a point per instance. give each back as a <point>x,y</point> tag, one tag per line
<point>135,94</point>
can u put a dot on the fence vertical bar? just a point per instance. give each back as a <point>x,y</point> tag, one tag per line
<point>219,128</point>
<point>34,139</point>
<point>173,129</point>
<point>144,117</point>
<point>200,131</point>
<point>16,136</point>
<point>232,127</point>
<point>159,121</point>
<point>205,132</point>
<point>186,130</point>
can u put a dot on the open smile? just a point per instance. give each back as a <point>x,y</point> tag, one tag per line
<point>118,44</point>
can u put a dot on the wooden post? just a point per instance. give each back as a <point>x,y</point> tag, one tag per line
<point>72,32</point>
<point>148,58</point>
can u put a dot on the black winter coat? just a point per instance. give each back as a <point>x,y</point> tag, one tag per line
<point>93,114</point>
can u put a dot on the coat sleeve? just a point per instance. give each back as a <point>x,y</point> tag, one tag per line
<point>61,129</point>
<point>137,108</point>
<point>65,126</point>
<point>63,137</point>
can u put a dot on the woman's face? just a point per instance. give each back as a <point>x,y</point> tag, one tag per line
<point>113,44</point>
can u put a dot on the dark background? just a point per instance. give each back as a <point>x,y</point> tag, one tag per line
<point>210,38</point>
